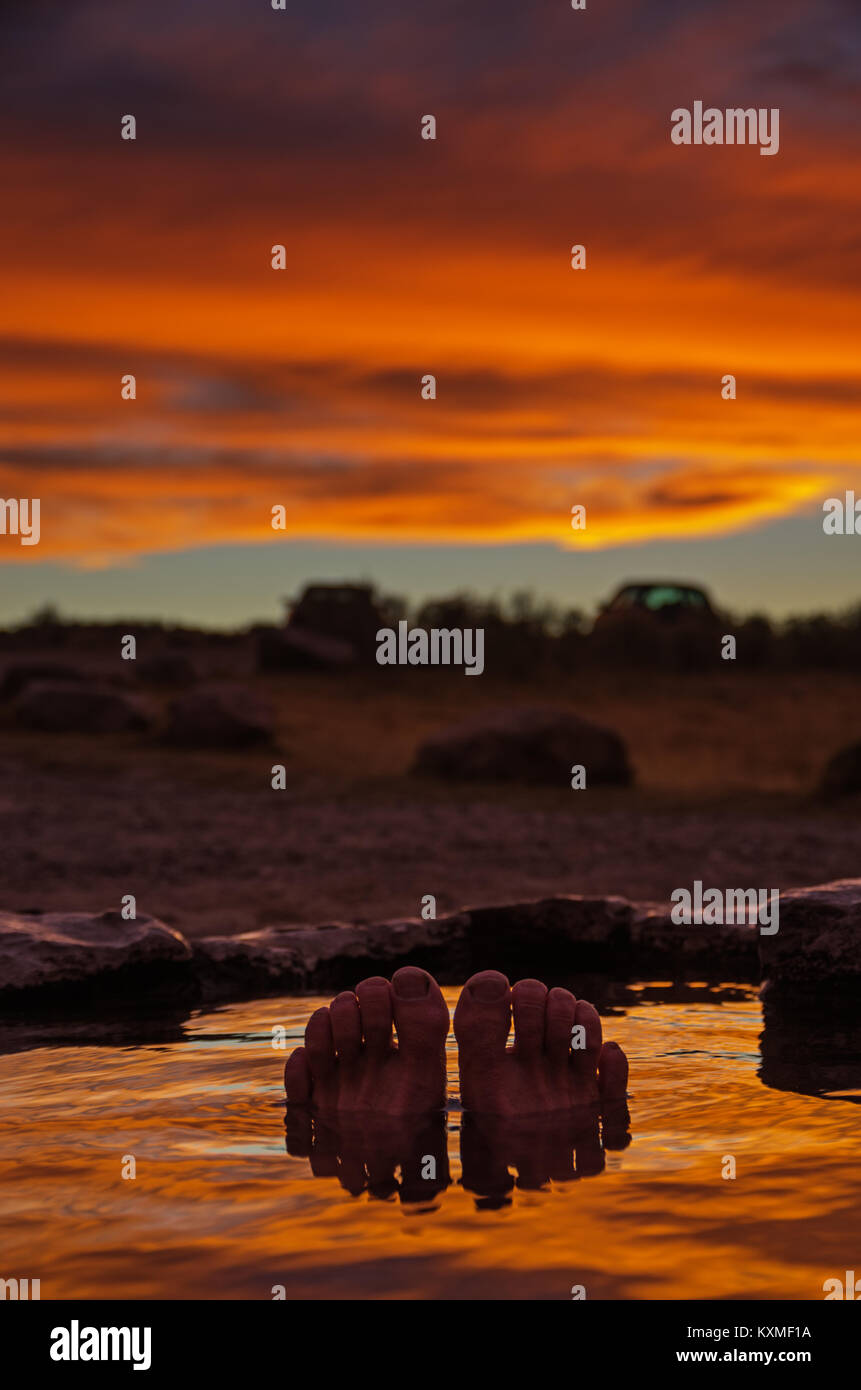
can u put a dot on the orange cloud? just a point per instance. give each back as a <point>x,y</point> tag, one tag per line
<point>555,386</point>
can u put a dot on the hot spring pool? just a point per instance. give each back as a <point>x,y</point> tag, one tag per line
<point>219,1209</point>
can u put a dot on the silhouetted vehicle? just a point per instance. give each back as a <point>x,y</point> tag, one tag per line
<point>347,612</point>
<point>657,622</point>
<point>667,601</point>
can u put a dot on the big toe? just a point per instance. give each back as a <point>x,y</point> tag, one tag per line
<point>482,1018</point>
<point>420,1013</point>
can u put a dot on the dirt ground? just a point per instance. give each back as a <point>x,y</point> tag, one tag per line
<point>726,770</point>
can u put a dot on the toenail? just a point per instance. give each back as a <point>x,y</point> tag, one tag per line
<point>488,990</point>
<point>409,984</point>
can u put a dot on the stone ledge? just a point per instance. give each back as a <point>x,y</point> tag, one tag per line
<point>75,956</point>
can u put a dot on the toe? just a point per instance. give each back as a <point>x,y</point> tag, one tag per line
<point>375,1004</point>
<point>346,1026</point>
<point>528,1004</point>
<point>320,1045</point>
<point>297,1078</point>
<point>420,1013</point>
<point>588,1018</point>
<point>559,1022</point>
<point>612,1072</point>
<point>482,1018</point>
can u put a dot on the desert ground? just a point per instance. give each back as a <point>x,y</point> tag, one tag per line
<point>726,771</point>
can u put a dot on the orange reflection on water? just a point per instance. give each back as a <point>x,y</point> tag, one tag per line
<point>218,1209</point>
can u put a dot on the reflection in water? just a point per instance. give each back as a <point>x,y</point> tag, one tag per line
<point>812,1045</point>
<point>219,1210</point>
<point>547,1149</point>
<point>380,1156</point>
<point>408,1156</point>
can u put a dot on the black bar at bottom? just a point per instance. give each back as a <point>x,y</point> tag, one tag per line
<point>223,1339</point>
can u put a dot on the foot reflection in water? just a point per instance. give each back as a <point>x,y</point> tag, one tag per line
<point>550,1149</point>
<point>408,1156</point>
<point>366,1154</point>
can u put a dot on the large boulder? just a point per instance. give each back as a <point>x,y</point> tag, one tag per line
<point>818,941</point>
<point>220,716</point>
<point>527,745</point>
<point>842,774</point>
<point>23,673</point>
<point>72,707</point>
<point>67,953</point>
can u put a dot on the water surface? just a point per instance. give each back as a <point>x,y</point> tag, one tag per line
<point>219,1209</point>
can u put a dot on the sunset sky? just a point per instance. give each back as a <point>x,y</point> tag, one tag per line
<point>404,257</point>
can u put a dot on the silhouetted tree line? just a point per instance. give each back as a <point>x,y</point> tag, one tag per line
<point>526,637</point>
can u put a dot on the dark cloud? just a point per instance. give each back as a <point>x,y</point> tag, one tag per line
<point>199,384</point>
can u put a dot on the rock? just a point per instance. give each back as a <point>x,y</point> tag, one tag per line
<point>842,774</point>
<point>24,673</point>
<point>656,941</point>
<point>818,941</point>
<point>557,933</point>
<point>528,745</point>
<point>220,716</point>
<point>300,649</point>
<point>813,957</point>
<point>564,936</point>
<point>325,957</point>
<point>67,953</point>
<point>561,934</point>
<point>608,935</point>
<point>72,707</point>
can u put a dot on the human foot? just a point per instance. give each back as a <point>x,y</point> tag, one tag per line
<point>350,1062</point>
<point>542,1074</point>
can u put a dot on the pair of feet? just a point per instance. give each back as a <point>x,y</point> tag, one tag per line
<point>350,1063</point>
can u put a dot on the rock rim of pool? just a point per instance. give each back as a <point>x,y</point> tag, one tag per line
<point>78,958</point>
<point>59,955</point>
